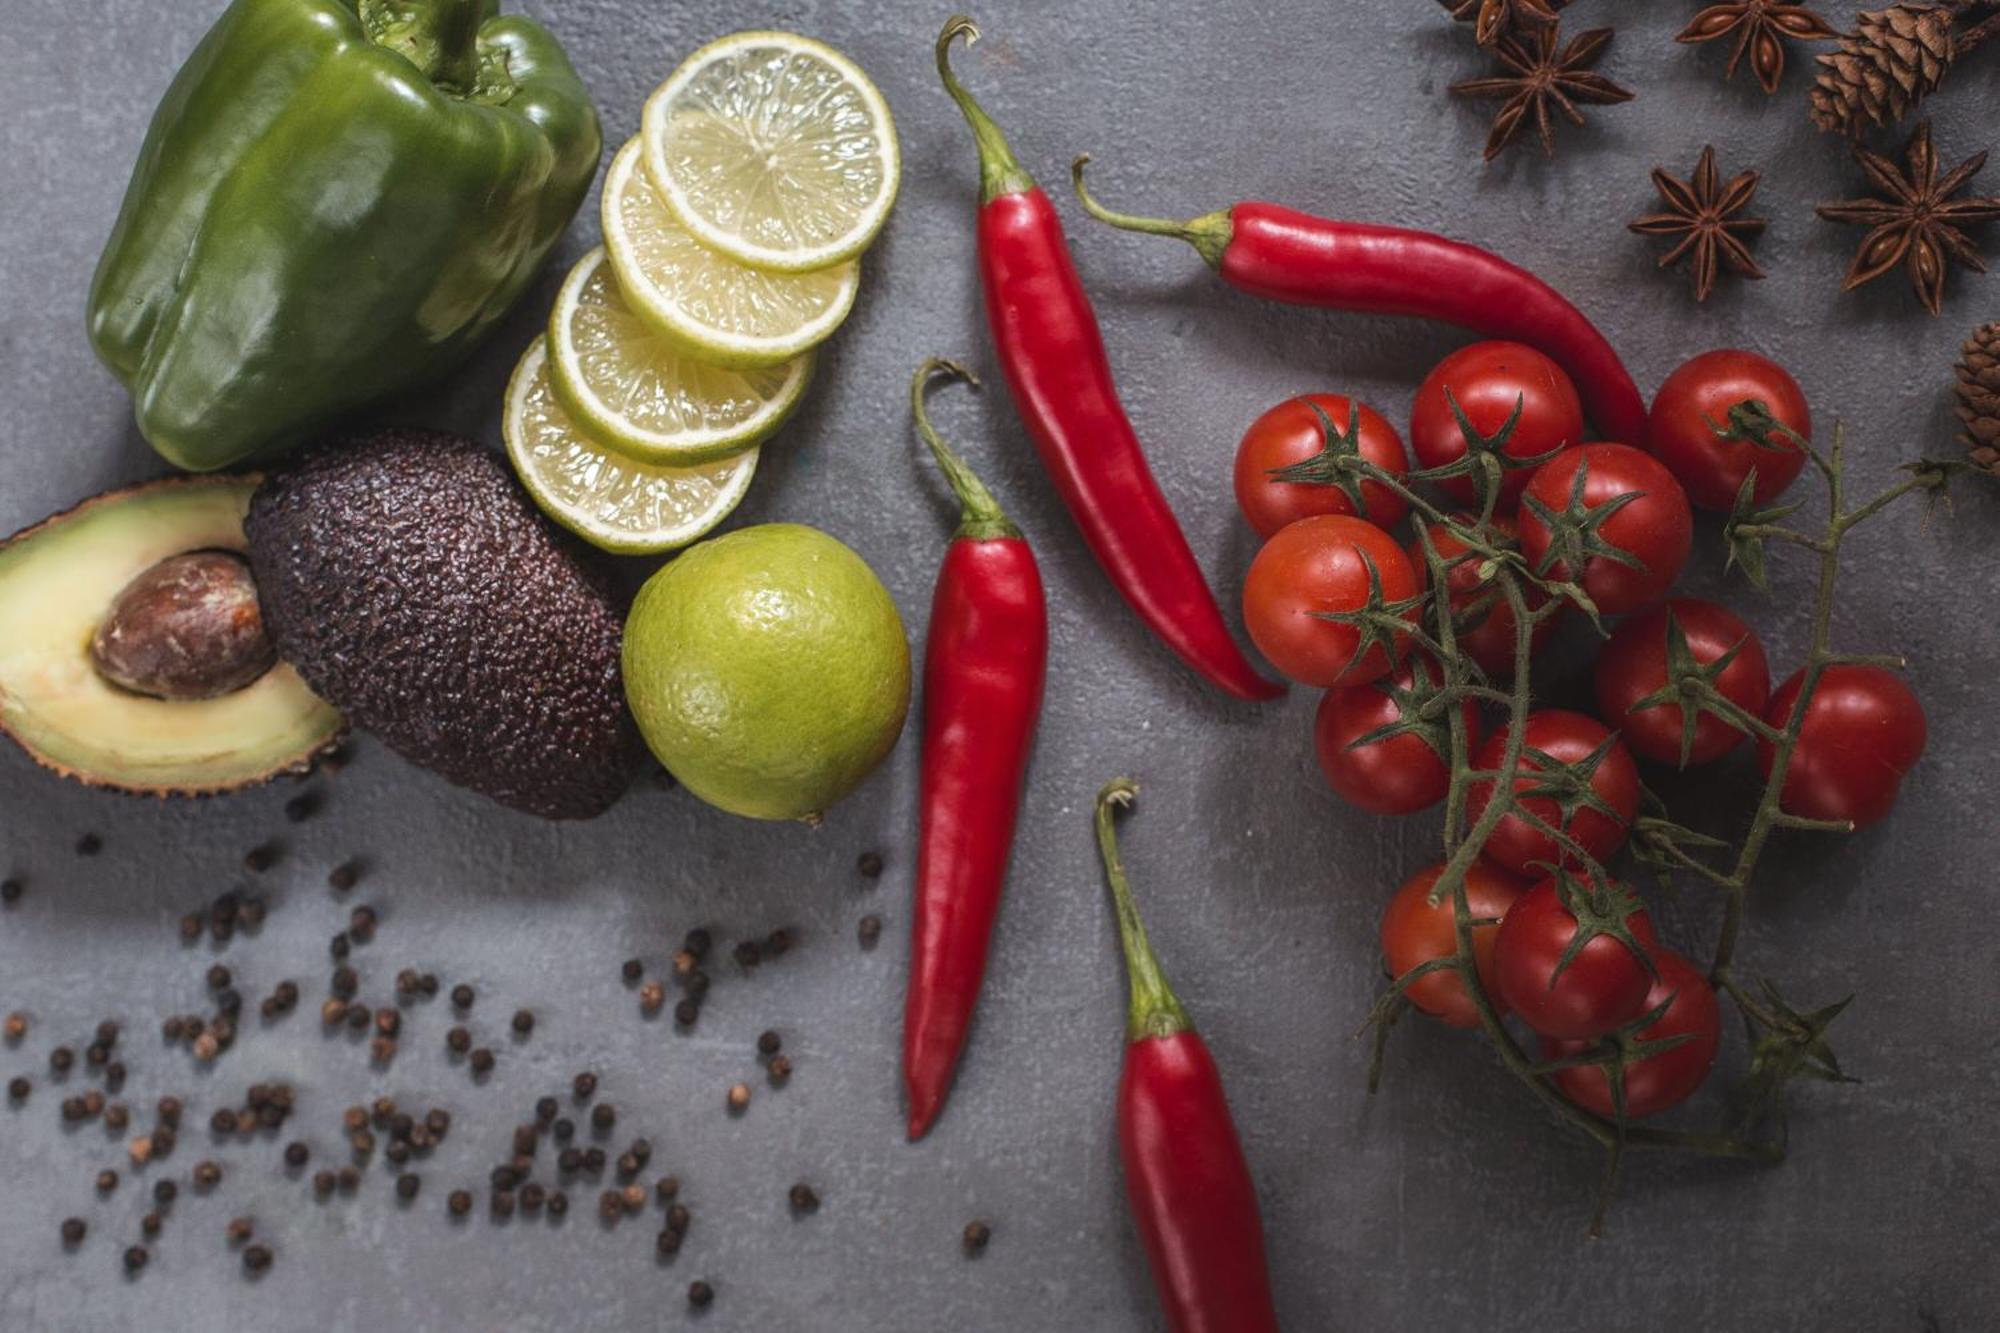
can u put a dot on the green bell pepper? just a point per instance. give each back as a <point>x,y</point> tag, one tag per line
<point>335,201</point>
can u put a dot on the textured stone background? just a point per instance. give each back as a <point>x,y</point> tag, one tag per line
<point>1447,1201</point>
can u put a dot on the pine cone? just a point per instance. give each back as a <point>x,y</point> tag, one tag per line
<point>1893,59</point>
<point>1979,396</point>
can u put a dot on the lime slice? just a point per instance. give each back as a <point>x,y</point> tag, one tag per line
<point>605,498</point>
<point>714,307</point>
<point>641,394</point>
<point>774,149</point>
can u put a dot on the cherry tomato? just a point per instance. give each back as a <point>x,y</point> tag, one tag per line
<point>1600,786</point>
<point>1653,1083</point>
<point>1414,932</point>
<point>1864,730</point>
<point>1317,567</point>
<point>1630,555</point>
<point>1632,667</point>
<point>1401,773</point>
<point>1483,619</point>
<point>1603,985</point>
<point>1690,429</point>
<point>1488,381</point>
<point>1292,433</point>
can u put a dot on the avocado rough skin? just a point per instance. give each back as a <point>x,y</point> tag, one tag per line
<point>415,586</point>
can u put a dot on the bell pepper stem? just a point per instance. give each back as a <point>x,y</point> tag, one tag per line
<point>980,517</point>
<point>439,37</point>
<point>1155,1011</point>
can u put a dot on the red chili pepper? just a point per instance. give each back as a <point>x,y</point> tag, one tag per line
<point>1285,255</point>
<point>1053,355</point>
<point>1184,1169</point>
<point>984,663</point>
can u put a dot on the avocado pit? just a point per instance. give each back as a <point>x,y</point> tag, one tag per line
<point>188,628</point>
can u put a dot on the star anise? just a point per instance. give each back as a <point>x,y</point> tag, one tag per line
<point>1494,19</point>
<point>1919,224</point>
<point>1760,27</point>
<point>1703,211</point>
<point>1541,74</point>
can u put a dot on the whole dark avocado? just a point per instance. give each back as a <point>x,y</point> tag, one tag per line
<point>415,586</point>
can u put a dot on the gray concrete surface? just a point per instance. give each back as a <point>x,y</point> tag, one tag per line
<point>1448,1201</point>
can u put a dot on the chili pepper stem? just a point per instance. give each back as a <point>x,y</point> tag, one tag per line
<point>999,171</point>
<point>1155,1011</point>
<point>1209,234</point>
<point>980,517</point>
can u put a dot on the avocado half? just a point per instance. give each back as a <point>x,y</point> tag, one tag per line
<point>60,582</point>
<point>413,582</point>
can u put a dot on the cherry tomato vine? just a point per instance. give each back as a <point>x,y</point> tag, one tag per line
<point>1787,1042</point>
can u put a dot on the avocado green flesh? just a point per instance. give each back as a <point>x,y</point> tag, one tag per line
<point>56,583</point>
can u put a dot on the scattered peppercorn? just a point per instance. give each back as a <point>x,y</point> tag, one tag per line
<point>165,1192</point>
<point>593,1161</point>
<point>503,1203</point>
<point>609,1206</point>
<point>206,1047</point>
<point>207,1175</point>
<point>191,927</point>
<point>117,1117</point>
<point>10,891</point>
<point>257,1259</point>
<point>532,1197</point>
<point>114,1075</point>
<point>150,1224</point>
<point>388,1022</point>
<point>632,970</point>
<point>569,1161</point>
<point>407,1185</point>
<point>302,807</point>
<point>89,845</point>
<point>73,1231</point>
<point>977,1234</point>
<point>869,931</point>
<point>526,1139</point>
<point>652,996</point>
<point>344,876</point>
<point>563,1130</point>
<point>585,1086</point>
<point>459,1040</point>
<point>340,946</point>
<point>667,1244</point>
<point>482,1061</point>
<point>136,1258</point>
<point>459,1203</point>
<point>769,1042</point>
<point>546,1110</point>
<point>361,923</point>
<point>603,1116</point>
<point>261,858</point>
<point>748,954</point>
<point>778,943</point>
<point>698,942</point>
<point>346,981</point>
<point>107,1181</point>
<point>16,1026</point>
<point>297,1154</point>
<point>239,1230</point>
<point>781,1068</point>
<point>666,1187</point>
<point>18,1088</point>
<point>398,1151</point>
<point>61,1059</point>
<point>739,1097</point>
<point>350,1179</point>
<point>869,864</point>
<point>558,1203</point>
<point>700,1294</point>
<point>686,1012</point>
<point>524,1022</point>
<point>462,996</point>
<point>804,1198</point>
<point>438,1121</point>
<point>358,1018</point>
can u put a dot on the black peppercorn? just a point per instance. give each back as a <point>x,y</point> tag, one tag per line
<point>609,1206</point>
<point>546,1109</point>
<point>407,1185</point>
<point>585,1086</point>
<point>628,1165</point>
<point>804,1198</point>
<point>700,1294</point>
<point>593,1161</point>
<point>642,1151</point>
<point>679,1219</point>
<point>698,943</point>
<point>135,1258</point>
<point>778,943</point>
<point>558,1203</point>
<point>89,845</point>
<point>569,1161</point>
<point>459,1203</point>
<point>869,931</point>
<point>346,981</point>
<point>18,1089</point>
<point>73,1230</point>
<point>251,914</point>
<point>781,1068</point>
<point>667,1244</point>
<point>256,1259</point>
<point>10,891</point>
<point>297,1154</point>
<point>239,1230</point>
<point>524,1022</point>
<point>632,970</point>
<point>107,1181</point>
<point>686,1012</point>
<point>438,1121</point>
<point>191,927</point>
<point>358,1018</point>
<point>114,1075</point>
<point>150,1224</point>
<point>563,1130</point>
<point>344,876</point>
<point>361,923</point>
<point>869,864</point>
<point>482,1061</point>
<point>603,1116</point>
<point>398,1151</point>
<point>165,1192</point>
<point>977,1234</point>
<point>350,1179</point>
<point>388,1022</point>
<point>260,858</point>
<point>207,1175</point>
<point>526,1139</point>
<point>666,1187</point>
<point>747,954</point>
<point>61,1059</point>
<point>462,996</point>
<point>769,1043</point>
<point>503,1178</point>
<point>229,1001</point>
<point>340,946</point>
<point>459,1040</point>
<point>532,1197</point>
<point>503,1203</point>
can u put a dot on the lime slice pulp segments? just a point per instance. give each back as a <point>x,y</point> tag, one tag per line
<point>605,498</point>
<point>640,394</point>
<point>774,149</point>
<point>715,308</point>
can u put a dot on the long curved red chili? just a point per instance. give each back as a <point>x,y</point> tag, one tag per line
<point>984,663</point>
<point>1053,355</point>
<point>1285,255</point>
<point>1185,1173</point>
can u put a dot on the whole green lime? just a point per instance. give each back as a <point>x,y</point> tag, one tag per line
<point>769,671</point>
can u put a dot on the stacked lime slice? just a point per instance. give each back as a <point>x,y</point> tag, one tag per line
<point>733,229</point>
